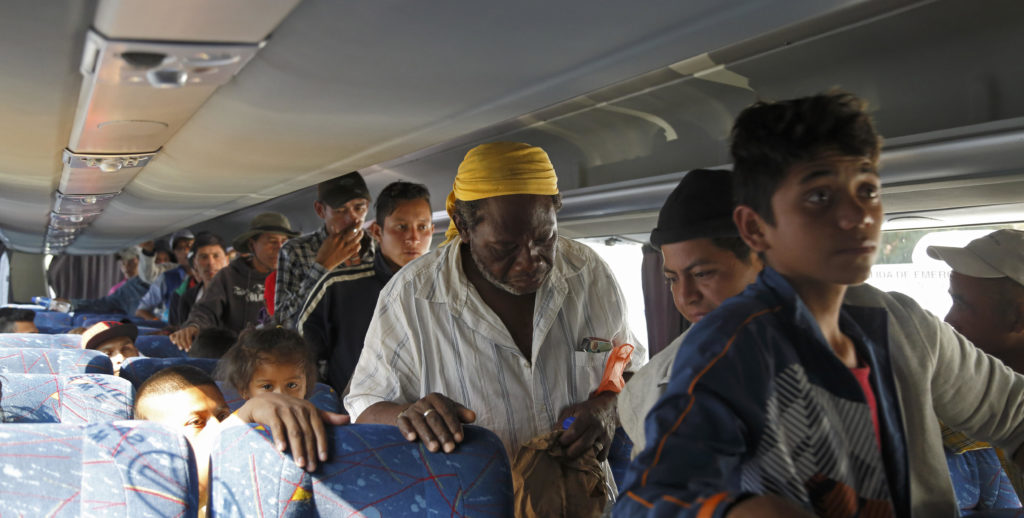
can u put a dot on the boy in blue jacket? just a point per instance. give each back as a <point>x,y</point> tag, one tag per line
<point>807,395</point>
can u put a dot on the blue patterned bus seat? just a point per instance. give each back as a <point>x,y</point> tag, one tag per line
<point>121,468</point>
<point>158,346</point>
<point>138,370</point>
<point>52,319</point>
<point>980,482</point>
<point>40,341</point>
<point>66,398</point>
<point>54,361</point>
<point>373,471</point>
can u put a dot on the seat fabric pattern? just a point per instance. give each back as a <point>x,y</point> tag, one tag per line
<point>979,481</point>
<point>158,346</point>
<point>39,341</point>
<point>54,361</point>
<point>53,330</point>
<point>373,471</point>
<point>138,370</point>
<point>66,398</point>
<point>324,397</point>
<point>117,469</point>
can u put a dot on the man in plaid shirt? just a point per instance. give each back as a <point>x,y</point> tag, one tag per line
<point>342,203</point>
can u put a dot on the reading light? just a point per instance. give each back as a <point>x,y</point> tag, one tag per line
<point>111,165</point>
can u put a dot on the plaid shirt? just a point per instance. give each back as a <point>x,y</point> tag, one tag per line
<point>298,272</point>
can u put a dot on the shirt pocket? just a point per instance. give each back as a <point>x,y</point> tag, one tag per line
<point>589,370</point>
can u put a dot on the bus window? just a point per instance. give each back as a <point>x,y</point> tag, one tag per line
<point>625,257</point>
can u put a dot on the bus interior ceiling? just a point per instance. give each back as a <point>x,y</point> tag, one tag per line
<point>625,97</point>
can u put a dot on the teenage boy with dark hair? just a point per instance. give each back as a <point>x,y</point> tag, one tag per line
<point>790,400</point>
<point>338,310</point>
<point>705,263</point>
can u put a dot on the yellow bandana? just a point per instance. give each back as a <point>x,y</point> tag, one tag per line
<point>500,169</point>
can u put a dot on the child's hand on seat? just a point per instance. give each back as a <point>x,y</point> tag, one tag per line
<point>295,423</point>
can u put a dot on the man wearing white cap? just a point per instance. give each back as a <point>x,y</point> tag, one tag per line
<point>987,286</point>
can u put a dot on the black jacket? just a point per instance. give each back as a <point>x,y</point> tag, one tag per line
<point>336,314</point>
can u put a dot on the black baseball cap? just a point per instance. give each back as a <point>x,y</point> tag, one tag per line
<point>699,207</point>
<point>339,191</point>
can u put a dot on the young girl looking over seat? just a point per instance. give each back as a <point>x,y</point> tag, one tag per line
<point>269,360</point>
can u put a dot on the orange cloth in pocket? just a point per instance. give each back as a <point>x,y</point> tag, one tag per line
<point>612,381</point>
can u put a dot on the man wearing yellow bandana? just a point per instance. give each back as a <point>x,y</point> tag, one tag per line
<point>488,329</point>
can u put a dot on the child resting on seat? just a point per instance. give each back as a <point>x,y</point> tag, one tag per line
<point>269,360</point>
<point>114,339</point>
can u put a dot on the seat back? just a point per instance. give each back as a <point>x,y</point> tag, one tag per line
<point>53,330</point>
<point>324,397</point>
<point>52,319</point>
<point>54,361</point>
<point>122,468</point>
<point>66,398</point>
<point>373,471</point>
<point>979,481</point>
<point>138,370</point>
<point>88,319</point>
<point>158,346</point>
<point>39,341</point>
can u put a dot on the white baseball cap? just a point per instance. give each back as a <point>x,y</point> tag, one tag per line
<point>999,254</point>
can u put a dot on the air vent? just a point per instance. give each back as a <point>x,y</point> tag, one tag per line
<point>137,94</point>
<point>71,221</point>
<point>81,203</point>
<point>147,67</point>
<point>98,175</point>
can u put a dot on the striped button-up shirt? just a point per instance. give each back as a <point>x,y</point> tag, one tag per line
<point>431,332</point>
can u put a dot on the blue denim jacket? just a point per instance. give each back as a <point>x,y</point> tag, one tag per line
<point>758,403</point>
<point>123,301</point>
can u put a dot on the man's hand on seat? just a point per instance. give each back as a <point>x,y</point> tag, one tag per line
<point>594,426</point>
<point>184,337</point>
<point>436,420</point>
<point>295,423</point>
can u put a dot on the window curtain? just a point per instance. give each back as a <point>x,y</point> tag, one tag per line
<point>83,276</point>
<point>664,323</point>
<point>5,275</point>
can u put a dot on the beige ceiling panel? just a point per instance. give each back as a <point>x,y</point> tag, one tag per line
<point>236,21</point>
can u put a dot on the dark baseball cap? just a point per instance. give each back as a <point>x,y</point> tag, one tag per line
<point>339,191</point>
<point>699,207</point>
